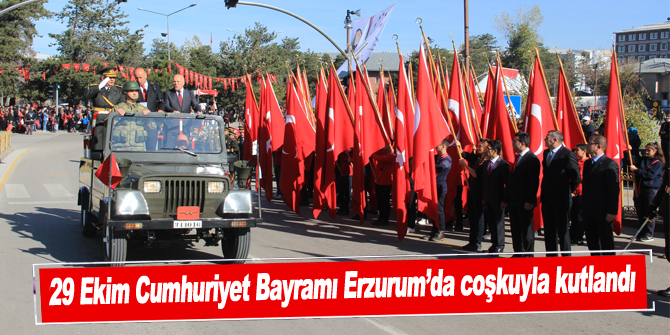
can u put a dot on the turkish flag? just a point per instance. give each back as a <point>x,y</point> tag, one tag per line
<point>489,97</point>
<point>384,106</point>
<point>430,129</point>
<point>404,110</point>
<point>190,73</point>
<point>369,136</point>
<point>76,66</point>
<point>299,138</point>
<point>270,135</point>
<point>66,66</point>
<point>539,121</point>
<point>475,106</point>
<point>457,103</point>
<point>501,125</point>
<point>568,121</point>
<point>320,150</point>
<point>251,126</point>
<point>109,173</point>
<point>615,128</point>
<point>86,67</point>
<point>338,136</point>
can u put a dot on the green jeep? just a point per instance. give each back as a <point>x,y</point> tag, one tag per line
<point>176,184</point>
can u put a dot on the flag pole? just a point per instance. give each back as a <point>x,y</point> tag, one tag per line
<point>574,109</point>
<point>339,85</point>
<point>109,189</point>
<point>372,101</point>
<point>468,110</point>
<point>623,115</point>
<point>553,112</point>
<point>472,103</point>
<point>502,71</point>
<point>411,84</point>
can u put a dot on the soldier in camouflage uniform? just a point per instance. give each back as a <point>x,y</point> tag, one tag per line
<point>106,94</point>
<point>131,135</point>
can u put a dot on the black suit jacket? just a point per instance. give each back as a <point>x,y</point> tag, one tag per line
<point>600,189</point>
<point>493,185</point>
<point>560,178</point>
<point>171,102</point>
<point>524,181</point>
<point>154,94</point>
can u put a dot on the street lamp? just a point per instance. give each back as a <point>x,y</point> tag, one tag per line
<point>168,24</point>
<point>348,25</point>
<point>233,31</point>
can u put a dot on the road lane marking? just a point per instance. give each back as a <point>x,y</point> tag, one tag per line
<point>9,171</point>
<point>16,191</point>
<point>58,191</point>
<point>385,326</point>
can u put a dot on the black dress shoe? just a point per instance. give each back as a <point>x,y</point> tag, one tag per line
<point>494,250</point>
<point>486,236</point>
<point>664,293</point>
<point>472,247</point>
<point>459,228</point>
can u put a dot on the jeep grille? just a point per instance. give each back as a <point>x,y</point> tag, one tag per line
<point>184,193</point>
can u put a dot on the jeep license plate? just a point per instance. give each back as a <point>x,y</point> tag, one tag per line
<point>188,224</point>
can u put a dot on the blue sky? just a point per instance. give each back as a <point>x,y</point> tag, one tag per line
<point>576,24</point>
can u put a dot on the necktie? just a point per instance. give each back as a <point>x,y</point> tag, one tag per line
<point>144,93</point>
<point>516,160</point>
<point>181,100</point>
<point>550,156</point>
<point>490,167</point>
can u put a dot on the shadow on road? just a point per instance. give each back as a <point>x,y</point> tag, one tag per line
<point>58,234</point>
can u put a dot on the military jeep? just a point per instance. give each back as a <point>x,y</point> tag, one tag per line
<point>176,184</point>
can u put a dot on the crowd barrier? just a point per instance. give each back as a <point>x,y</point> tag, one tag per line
<point>5,141</point>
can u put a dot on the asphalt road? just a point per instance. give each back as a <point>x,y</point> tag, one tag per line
<point>39,223</point>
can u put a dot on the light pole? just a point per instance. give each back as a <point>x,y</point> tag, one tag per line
<point>348,25</point>
<point>168,24</point>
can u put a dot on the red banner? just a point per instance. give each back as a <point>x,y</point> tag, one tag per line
<point>335,289</point>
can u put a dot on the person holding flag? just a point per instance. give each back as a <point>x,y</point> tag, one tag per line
<point>600,197</point>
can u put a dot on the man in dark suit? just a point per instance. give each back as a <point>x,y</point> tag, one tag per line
<point>472,162</point>
<point>522,194</point>
<point>442,167</point>
<point>600,196</point>
<point>495,174</point>
<point>178,100</point>
<point>150,93</point>
<point>150,97</point>
<point>560,178</point>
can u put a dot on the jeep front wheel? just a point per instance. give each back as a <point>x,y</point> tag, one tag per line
<point>235,244</point>
<point>116,246</point>
<point>87,227</point>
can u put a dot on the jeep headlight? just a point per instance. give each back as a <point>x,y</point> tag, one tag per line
<point>152,186</point>
<point>215,187</point>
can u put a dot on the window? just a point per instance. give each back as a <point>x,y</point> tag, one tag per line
<point>652,47</point>
<point>642,47</point>
<point>653,36</point>
<point>631,48</point>
<point>665,34</point>
<point>641,58</point>
<point>664,56</point>
<point>652,56</point>
<point>643,36</point>
<point>631,37</point>
<point>621,48</point>
<point>622,38</point>
<point>664,46</point>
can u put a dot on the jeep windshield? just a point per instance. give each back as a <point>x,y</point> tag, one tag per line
<point>165,134</point>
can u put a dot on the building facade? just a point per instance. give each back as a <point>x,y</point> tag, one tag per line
<point>643,43</point>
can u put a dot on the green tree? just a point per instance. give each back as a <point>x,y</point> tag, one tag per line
<point>96,32</point>
<point>17,29</point>
<point>521,31</point>
<point>481,52</point>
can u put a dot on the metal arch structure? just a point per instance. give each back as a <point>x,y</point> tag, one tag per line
<point>9,9</point>
<point>297,17</point>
